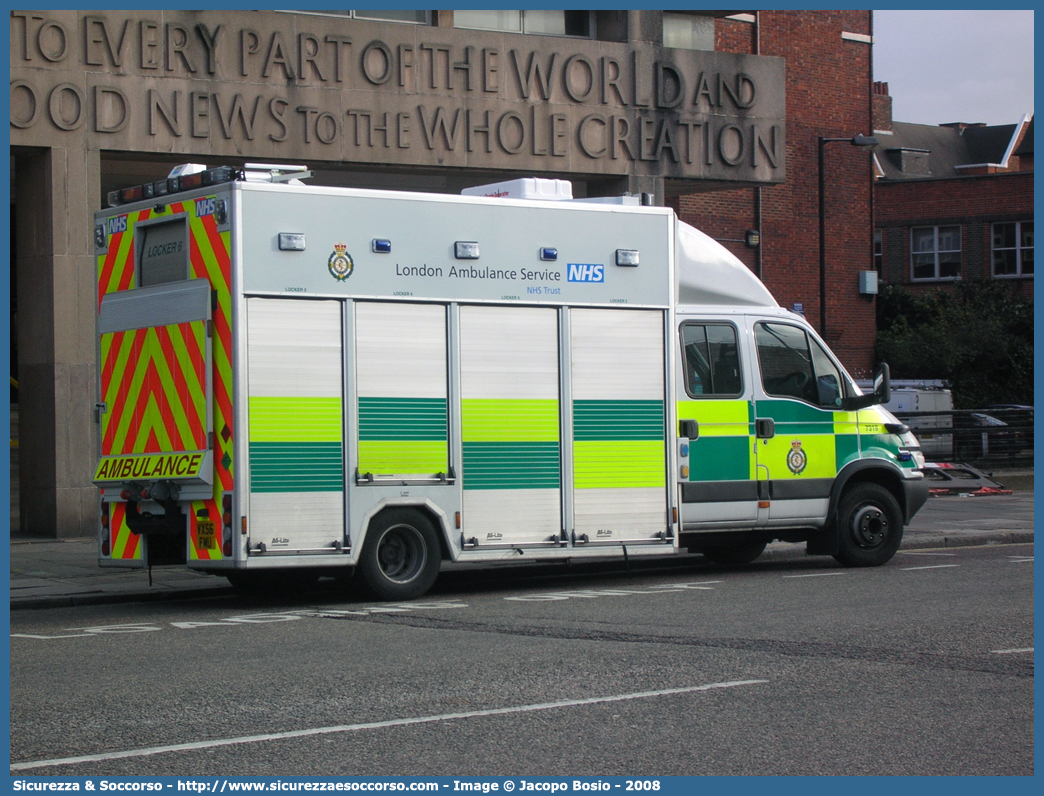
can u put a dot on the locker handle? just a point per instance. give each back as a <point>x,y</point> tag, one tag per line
<point>766,428</point>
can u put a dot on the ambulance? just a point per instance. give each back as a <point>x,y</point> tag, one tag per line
<point>298,381</point>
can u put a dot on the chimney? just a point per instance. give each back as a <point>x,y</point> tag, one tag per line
<point>882,108</point>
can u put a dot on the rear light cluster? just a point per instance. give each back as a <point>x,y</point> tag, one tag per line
<point>174,184</point>
<point>226,523</point>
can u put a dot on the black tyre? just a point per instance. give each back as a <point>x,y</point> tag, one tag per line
<point>735,555</point>
<point>400,559</point>
<point>869,526</point>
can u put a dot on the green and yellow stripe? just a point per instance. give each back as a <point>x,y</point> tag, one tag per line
<point>510,443</point>
<point>618,444</point>
<point>402,436</point>
<point>295,444</point>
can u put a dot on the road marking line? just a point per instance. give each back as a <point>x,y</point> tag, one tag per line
<point>913,553</point>
<point>590,594</point>
<point>1019,559</point>
<point>374,725</point>
<point>933,566</point>
<point>816,575</point>
<point>1008,652</point>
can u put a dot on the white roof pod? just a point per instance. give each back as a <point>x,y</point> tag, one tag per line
<point>708,273</point>
<point>524,188</point>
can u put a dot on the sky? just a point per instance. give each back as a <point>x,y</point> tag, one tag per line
<point>956,66</point>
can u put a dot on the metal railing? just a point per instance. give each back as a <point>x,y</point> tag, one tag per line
<point>989,436</point>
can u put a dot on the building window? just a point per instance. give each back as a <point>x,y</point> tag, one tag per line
<point>1013,249</point>
<point>543,22</point>
<point>935,252</point>
<point>879,251</point>
<point>386,15</point>
<point>688,31</point>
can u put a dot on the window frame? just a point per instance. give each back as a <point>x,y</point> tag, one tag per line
<point>684,364</point>
<point>936,251</point>
<point>1018,248</point>
<point>524,30</point>
<point>351,14</point>
<point>676,14</point>
<point>844,380</point>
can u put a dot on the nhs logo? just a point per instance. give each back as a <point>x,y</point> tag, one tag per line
<point>206,207</point>
<point>117,225</point>
<point>586,272</point>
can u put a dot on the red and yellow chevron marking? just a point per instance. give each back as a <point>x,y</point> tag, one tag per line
<point>160,413</point>
<point>154,383</point>
<point>124,545</point>
<point>116,267</point>
<point>209,259</point>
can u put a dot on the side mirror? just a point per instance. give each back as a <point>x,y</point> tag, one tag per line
<point>882,393</point>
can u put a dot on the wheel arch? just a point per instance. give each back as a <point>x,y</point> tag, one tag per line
<point>873,471</point>
<point>427,507</point>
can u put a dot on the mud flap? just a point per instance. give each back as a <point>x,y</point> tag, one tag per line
<point>825,542</point>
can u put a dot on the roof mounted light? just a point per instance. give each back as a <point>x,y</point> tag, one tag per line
<point>190,181</point>
<point>186,168</point>
<point>628,257</point>
<point>275,172</point>
<point>466,250</point>
<point>181,178</point>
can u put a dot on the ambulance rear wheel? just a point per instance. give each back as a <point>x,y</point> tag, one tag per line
<point>400,559</point>
<point>735,555</point>
<point>870,526</point>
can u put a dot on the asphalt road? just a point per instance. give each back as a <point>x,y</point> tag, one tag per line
<point>921,667</point>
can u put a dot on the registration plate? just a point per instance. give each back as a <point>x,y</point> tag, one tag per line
<point>205,534</point>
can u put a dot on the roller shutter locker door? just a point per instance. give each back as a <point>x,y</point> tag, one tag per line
<point>510,425</point>
<point>619,446</point>
<point>295,382</point>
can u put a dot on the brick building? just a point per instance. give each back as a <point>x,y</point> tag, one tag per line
<point>953,201</point>
<point>718,113</point>
<point>828,85</point>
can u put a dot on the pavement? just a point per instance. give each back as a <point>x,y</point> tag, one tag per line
<point>49,573</point>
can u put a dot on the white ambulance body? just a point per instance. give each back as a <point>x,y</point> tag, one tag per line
<point>297,380</point>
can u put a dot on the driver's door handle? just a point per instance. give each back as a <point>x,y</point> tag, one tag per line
<point>766,428</point>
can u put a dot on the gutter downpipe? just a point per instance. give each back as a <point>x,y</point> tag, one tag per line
<point>757,190</point>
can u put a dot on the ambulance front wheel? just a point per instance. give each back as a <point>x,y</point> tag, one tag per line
<point>870,526</point>
<point>400,559</point>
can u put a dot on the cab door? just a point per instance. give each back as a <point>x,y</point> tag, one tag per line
<point>803,437</point>
<point>720,489</point>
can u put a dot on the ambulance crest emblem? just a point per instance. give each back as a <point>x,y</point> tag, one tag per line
<point>340,262</point>
<point>797,459</point>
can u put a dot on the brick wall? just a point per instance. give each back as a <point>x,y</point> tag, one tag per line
<point>974,203</point>
<point>828,84</point>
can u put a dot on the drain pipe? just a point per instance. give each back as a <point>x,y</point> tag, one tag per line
<point>757,190</point>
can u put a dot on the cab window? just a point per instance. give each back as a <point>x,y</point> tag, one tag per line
<point>793,365</point>
<point>711,360</point>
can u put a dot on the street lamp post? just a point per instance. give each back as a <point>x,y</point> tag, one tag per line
<point>859,140</point>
